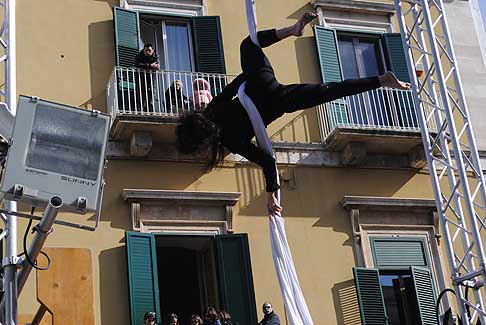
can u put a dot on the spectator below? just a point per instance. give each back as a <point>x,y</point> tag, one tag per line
<point>173,319</point>
<point>211,317</point>
<point>269,318</point>
<point>196,320</point>
<point>149,318</point>
<point>226,318</point>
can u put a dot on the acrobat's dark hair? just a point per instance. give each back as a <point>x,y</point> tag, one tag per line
<point>197,133</point>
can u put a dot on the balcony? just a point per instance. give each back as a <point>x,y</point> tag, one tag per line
<point>141,101</point>
<point>381,121</point>
<point>145,106</point>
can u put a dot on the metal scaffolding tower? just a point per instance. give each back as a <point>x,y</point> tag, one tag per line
<point>450,148</point>
<point>8,96</point>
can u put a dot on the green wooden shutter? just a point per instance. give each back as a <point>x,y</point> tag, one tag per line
<point>142,275</point>
<point>208,44</point>
<point>370,296</point>
<point>127,35</point>
<point>424,290</point>
<point>399,252</point>
<point>235,278</point>
<point>329,61</point>
<point>396,55</point>
<point>328,54</point>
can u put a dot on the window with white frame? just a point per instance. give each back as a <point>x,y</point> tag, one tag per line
<point>190,52</point>
<point>184,39</point>
<point>399,271</point>
<point>355,40</point>
<point>172,39</point>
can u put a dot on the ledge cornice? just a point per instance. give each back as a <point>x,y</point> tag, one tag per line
<point>356,6</point>
<point>181,197</point>
<point>181,211</point>
<point>380,203</point>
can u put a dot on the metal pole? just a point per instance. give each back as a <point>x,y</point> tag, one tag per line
<point>10,266</point>
<point>43,230</point>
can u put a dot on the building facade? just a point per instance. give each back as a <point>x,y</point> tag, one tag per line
<point>357,200</point>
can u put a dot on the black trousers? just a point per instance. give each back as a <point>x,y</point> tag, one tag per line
<point>274,99</point>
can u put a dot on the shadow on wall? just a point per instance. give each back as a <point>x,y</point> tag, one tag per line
<point>154,175</point>
<point>114,298</point>
<point>289,132</point>
<point>346,303</point>
<point>316,193</point>
<point>101,61</point>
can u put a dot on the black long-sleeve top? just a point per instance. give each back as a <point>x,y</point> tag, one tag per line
<point>144,62</point>
<point>237,131</point>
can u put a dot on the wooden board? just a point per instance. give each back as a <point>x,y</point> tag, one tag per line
<point>66,289</point>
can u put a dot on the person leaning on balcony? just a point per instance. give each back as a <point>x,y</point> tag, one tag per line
<point>174,96</point>
<point>269,316</point>
<point>225,123</point>
<point>147,60</point>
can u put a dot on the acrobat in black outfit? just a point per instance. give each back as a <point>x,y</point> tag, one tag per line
<point>225,123</point>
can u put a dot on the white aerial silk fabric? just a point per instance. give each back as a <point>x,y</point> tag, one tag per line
<point>294,300</point>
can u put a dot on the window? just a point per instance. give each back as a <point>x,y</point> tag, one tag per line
<point>362,54</point>
<point>399,296</point>
<point>402,277</point>
<point>184,43</point>
<point>189,48</point>
<point>172,39</point>
<point>400,270</point>
<point>216,270</point>
<point>365,55</point>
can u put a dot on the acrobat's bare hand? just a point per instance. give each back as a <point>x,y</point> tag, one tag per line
<point>302,22</point>
<point>272,204</point>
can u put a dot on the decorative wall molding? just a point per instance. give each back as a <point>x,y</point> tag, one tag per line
<point>390,211</point>
<point>366,16</point>
<point>181,211</point>
<point>302,154</point>
<point>395,217</point>
<point>381,8</point>
<point>189,7</point>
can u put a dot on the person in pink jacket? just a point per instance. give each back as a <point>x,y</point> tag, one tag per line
<point>201,95</point>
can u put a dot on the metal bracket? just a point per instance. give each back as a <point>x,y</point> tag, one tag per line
<point>18,191</point>
<point>12,260</point>
<point>58,222</point>
<point>81,203</point>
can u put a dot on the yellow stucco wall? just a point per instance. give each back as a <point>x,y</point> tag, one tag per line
<point>66,54</point>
